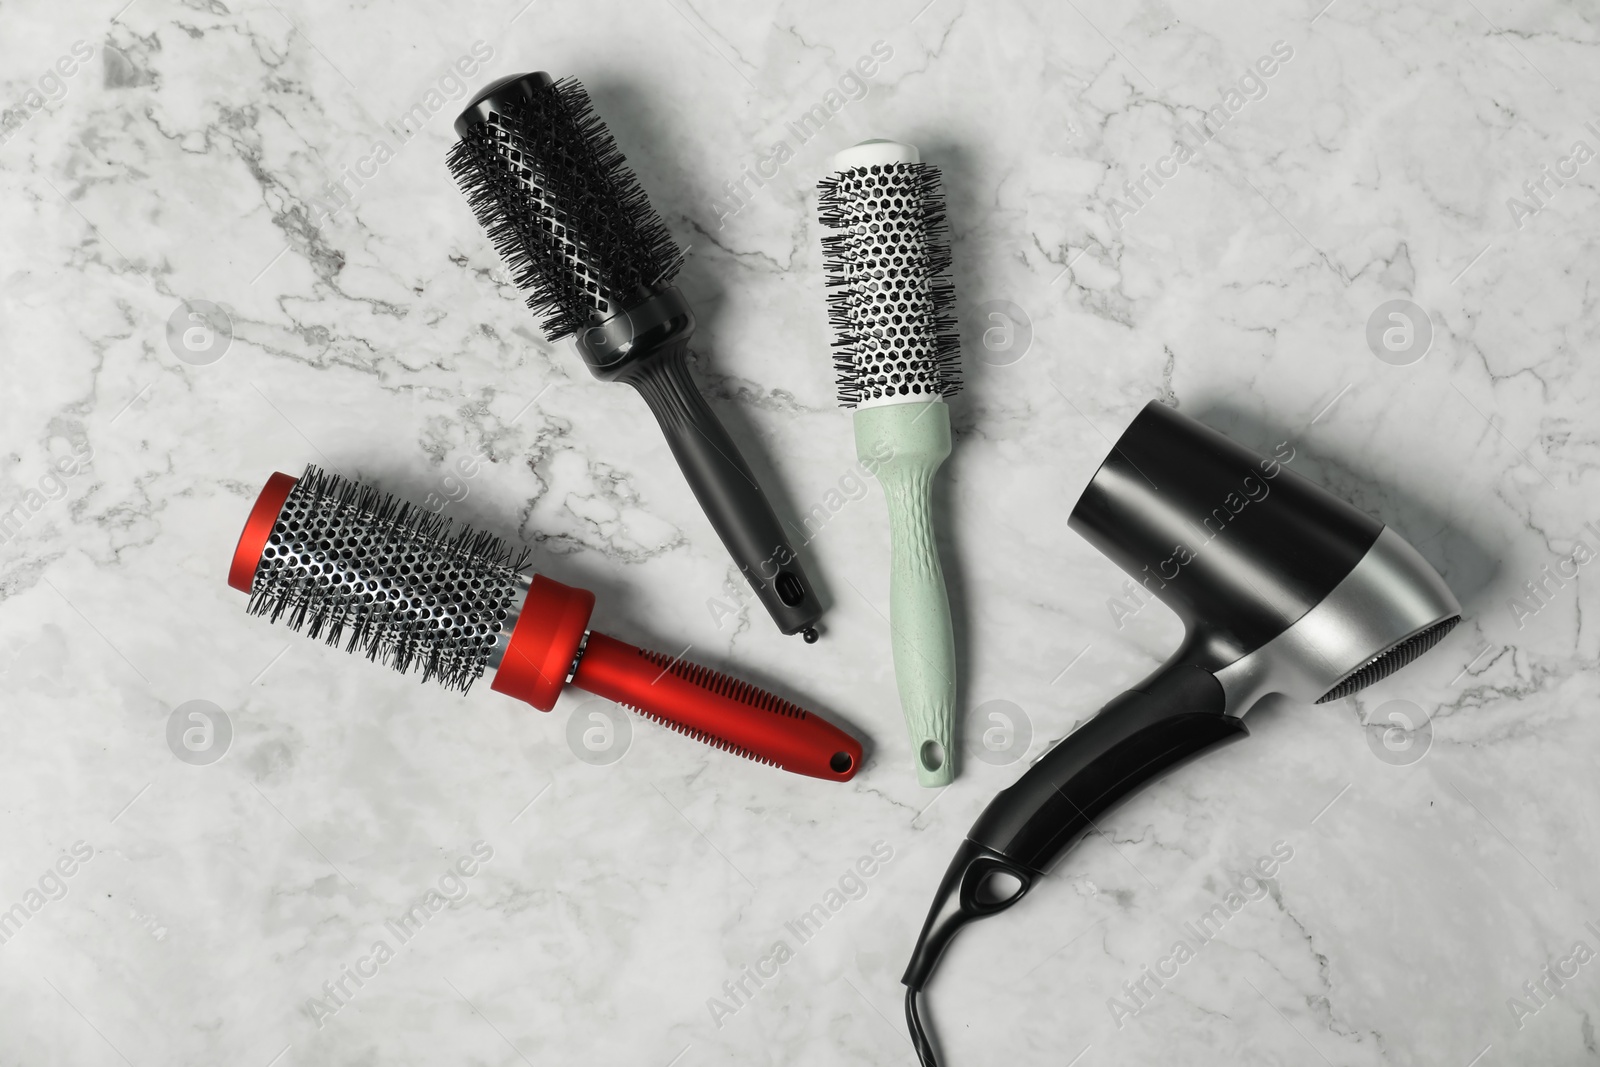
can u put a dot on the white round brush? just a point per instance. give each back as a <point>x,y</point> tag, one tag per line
<point>897,354</point>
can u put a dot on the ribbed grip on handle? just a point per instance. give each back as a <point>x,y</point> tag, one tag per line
<point>723,712</point>
<point>727,490</point>
<point>906,443</point>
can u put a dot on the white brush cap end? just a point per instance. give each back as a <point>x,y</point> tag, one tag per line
<point>876,153</point>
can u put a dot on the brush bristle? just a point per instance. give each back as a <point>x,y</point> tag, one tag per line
<point>890,301</point>
<point>562,207</point>
<point>352,564</point>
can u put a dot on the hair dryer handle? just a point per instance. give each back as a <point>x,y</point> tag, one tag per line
<point>1169,718</point>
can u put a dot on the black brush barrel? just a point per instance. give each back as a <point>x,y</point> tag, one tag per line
<point>557,198</point>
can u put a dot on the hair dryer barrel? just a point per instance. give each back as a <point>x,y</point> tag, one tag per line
<point>1236,543</point>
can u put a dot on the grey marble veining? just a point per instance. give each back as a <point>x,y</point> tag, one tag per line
<point>285,162</point>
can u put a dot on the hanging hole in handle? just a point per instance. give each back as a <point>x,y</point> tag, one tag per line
<point>998,887</point>
<point>932,755</point>
<point>790,589</point>
<point>841,762</point>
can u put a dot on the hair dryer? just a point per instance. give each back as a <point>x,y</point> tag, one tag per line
<point>1282,588</point>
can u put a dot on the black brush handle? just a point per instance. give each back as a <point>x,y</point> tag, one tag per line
<point>727,491</point>
<point>645,346</point>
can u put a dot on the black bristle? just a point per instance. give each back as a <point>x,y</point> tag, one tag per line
<point>891,302</point>
<point>354,566</point>
<point>562,207</point>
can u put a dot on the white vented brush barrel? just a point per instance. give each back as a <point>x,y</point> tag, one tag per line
<point>880,152</point>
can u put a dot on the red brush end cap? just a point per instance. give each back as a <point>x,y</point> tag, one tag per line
<point>257,529</point>
<point>545,641</point>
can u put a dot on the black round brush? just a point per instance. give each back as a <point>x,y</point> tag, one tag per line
<point>547,182</point>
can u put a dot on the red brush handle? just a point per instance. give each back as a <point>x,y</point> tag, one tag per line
<point>721,711</point>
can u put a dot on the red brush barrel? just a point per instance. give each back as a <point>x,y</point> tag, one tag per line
<point>721,711</point>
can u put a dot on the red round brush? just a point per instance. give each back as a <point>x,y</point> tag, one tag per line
<point>346,562</point>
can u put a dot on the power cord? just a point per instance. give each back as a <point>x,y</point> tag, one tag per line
<point>919,1036</point>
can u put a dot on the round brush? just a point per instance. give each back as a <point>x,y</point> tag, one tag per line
<point>346,562</point>
<point>547,182</point>
<point>896,353</point>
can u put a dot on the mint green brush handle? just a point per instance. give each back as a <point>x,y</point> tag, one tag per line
<point>904,445</point>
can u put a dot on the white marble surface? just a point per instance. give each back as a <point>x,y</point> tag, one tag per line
<point>183,161</point>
